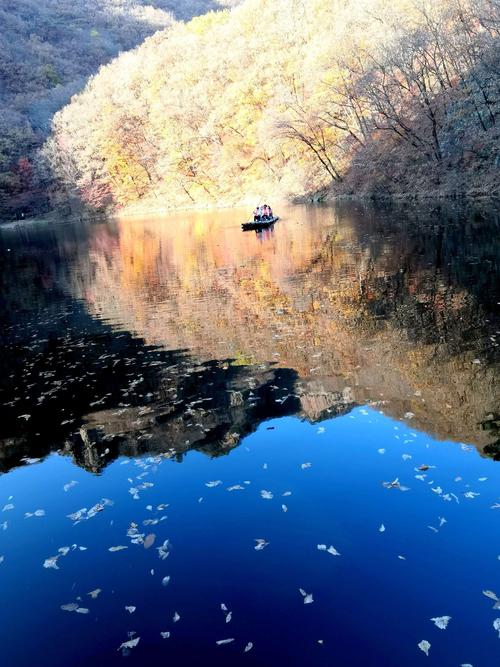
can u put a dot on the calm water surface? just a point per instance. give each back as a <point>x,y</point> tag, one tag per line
<point>284,442</point>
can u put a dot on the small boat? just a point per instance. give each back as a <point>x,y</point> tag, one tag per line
<point>259,224</point>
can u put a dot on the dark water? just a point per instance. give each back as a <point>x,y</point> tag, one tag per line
<point>333,382</point>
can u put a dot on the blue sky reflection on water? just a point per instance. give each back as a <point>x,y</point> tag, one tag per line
<point>370,606</point>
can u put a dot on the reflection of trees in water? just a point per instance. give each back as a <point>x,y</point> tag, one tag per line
<point>390,302</point>
<point>382,305</point>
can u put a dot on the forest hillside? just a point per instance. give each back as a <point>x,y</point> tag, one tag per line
<point>292,97</point>
<point>47,51</point>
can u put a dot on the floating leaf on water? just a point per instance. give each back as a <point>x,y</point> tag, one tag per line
<point>131,643</point>
<point>51,563</point>
<point>402,557</point>
<point>93,594</point>
<point>441,622</point>
<point>308,597</point>
<point>71,606</point>
<point>424,646</point>
<point>78,515</point>
<point>496,626</point>
<point>381,450</point>
<point>382,528</point>
<point>70,485</point>
<point>214,483</point>
<point>248,647</point>
<point>331,549</point>
<point>176,617</point>
<point>163,551</point>
<point>130,609</point>
<point>37,513</point>
<point>284,508</point>
<point>236,487</point>
<point>82,610</point>
<point>225,641</point>
<point>165,580</point>
<point>223,607</point>
<point>287,493</point>
<point>120,547</point>
<point>229,616</point>
<point>395,485</point>
<point>165,635</point>
<point>305,465</point>
<point>149,540</point>
<point>261,544</point>
<point>8,507</point>
<point>491,594</point>
<point>267,495</point>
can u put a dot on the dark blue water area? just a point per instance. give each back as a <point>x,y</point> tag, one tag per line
<point>370,606</point>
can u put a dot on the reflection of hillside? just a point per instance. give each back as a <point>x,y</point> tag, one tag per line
<point>213,419</point>
<point>197,332</point>
<point>394,316</point>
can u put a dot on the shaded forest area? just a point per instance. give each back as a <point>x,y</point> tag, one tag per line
<point>47,51</point>
<point>312,99</point>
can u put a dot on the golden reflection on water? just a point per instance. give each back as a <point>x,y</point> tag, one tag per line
<point>356,311</point>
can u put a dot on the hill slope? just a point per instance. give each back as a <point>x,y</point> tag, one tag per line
<point>292,97</point>
<point>47,51</point>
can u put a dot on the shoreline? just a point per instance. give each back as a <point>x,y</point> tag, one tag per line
<point>320,197</point>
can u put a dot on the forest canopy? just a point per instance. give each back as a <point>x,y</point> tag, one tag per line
<point>48,48</point>
<point>291,97</point>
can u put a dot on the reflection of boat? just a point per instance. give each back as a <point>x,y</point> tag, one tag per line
<point>259,224</point>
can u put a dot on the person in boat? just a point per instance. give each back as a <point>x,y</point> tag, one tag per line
<point>265,212</point>
<point>257,214</point>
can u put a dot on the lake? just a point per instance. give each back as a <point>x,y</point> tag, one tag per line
<point>236,448</point>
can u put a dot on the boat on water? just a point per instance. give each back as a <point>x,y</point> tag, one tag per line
<point>260,224</point>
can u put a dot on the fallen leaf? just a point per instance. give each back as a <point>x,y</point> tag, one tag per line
<point>441,622</point>
<point>132,643</point>
<point>149,540</point>
<point>261,544</point>
<point>424,646</point>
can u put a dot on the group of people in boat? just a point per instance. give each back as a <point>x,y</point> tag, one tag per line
<point>262,213</point>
